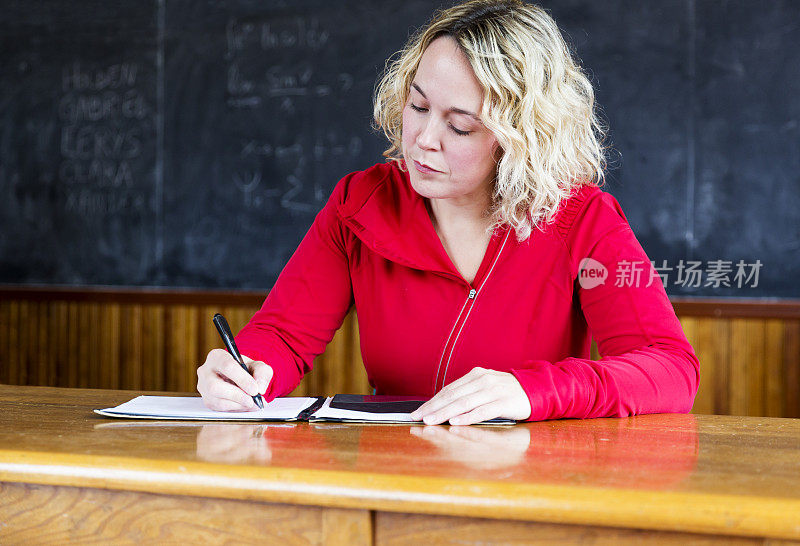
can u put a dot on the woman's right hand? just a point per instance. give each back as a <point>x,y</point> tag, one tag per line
<point>225,386</point>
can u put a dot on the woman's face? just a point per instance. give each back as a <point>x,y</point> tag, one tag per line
<point>448,151</point>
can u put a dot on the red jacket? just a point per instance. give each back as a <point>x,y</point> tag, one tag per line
<point>422,325</point>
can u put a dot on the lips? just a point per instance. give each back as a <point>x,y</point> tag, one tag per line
<point>425,169</point>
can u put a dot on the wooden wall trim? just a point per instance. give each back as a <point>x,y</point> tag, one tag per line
<point>737,308</point>
<point>141,296</point>
<point>154,339</point>
<point>685,307</point>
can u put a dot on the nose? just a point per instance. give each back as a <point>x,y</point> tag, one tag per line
<point>429,137</point>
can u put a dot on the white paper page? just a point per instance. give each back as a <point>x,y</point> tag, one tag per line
<point>191,407</point>
<point>326,411</point>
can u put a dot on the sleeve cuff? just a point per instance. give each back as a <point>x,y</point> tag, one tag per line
<point>539,384</point>
<point>285,376</point>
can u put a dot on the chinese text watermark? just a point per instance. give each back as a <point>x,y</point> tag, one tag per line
<point>687,274</point>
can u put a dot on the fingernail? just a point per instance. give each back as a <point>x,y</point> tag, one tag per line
<point>428,420</point>
<point>455,421</point>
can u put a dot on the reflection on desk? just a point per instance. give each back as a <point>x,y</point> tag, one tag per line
<point>612,453</point>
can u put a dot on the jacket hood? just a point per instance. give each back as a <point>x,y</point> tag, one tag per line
<point>392,219</point>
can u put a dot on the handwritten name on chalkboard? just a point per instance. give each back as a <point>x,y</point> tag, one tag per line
<point>100,113</point>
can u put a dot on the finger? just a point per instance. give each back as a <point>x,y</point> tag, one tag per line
<point>222,390</point>
<point>444,398</point>
<point>475,373</point>
<point>233,371</point>
<point>460,387</point>
<point>223,404</point>
<point>205,372</point>
<point>479,414</point>
<point>459,406</point>
<point>470,383</point>
<point>262,373</point>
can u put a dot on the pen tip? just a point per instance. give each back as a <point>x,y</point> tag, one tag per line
<point>259,402</point>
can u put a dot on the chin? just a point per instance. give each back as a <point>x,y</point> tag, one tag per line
<point>428,188</point>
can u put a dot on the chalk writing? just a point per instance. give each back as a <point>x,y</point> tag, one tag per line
<point>248,182</point>
<point>102,114</point>
<point>76,77</point>
<point>249,87</point>
<point>94,202</point>
<point>291,33</point>
<point>97,173</point>
<point>266,149</point>
<point>89,141</point>
<point>291,193</point>
<point>76,107</point>
<point>293,87</point>
<point>278,82</point>
<point>331,146</point>
<point>256,197</point>
<point>237,85</point>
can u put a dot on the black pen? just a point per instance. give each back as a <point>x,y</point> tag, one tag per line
<point>227,338</point>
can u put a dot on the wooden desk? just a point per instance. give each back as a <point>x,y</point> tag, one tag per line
<point>69,475</point>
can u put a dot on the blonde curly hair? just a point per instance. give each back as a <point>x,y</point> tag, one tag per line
<point>537,102</point>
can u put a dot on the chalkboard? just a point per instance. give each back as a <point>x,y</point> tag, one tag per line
<point>190,143</point>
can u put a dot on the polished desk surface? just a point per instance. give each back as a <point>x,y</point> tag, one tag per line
<point>709,474</point>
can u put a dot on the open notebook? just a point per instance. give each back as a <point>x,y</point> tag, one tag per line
<point>339,408</point>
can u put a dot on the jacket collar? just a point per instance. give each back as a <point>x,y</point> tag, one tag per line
<point>394,222</point>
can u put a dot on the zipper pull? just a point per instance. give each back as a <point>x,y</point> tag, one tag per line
<point>472,293</point>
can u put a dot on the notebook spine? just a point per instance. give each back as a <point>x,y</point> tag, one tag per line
<point>306,414</point>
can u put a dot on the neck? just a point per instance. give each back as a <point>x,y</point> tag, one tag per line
<point>466,216</point>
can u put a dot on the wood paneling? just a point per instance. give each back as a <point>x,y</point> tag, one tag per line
<point>749,351</point>
<point>747,366</point>
<point>399,529</point>
<point>105,344</point>
<point>5,330</point>
<point>129,517</point>
<point>791,367</point>
<point>37,514</point>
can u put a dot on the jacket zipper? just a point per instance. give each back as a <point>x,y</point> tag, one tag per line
<point>451,340</point>
<point>458,327</point>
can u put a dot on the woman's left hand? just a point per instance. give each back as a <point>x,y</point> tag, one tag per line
<point>478,396</point>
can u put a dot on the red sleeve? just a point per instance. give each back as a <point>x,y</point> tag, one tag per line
<point>647,365</point>
<point>306,306</point>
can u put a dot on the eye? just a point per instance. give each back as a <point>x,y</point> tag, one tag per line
<point>459,131</point>
<point>420,109</point>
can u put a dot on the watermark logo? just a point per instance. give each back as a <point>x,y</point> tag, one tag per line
<point>691,274</point>
<point>591,273</point>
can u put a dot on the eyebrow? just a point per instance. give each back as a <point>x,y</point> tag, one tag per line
<point>451,109</point>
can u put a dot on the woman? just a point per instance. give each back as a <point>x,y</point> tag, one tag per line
<point>476,255</point>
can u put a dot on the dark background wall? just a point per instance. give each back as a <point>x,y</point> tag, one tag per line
<point>190,144</point>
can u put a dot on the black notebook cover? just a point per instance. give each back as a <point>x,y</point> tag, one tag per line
<point>390,404</point>
<point>376,404</point>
